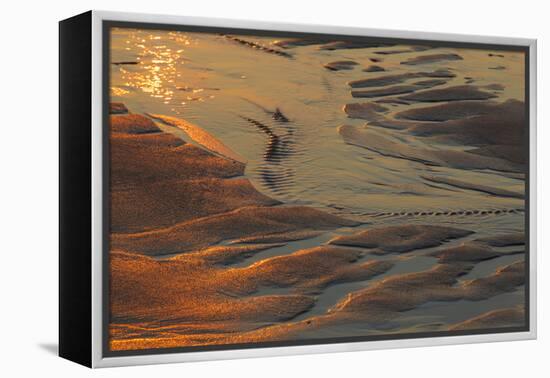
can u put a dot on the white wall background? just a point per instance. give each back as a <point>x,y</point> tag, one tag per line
<point>28,137</point>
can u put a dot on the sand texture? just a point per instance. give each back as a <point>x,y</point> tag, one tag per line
<point>272,189</point>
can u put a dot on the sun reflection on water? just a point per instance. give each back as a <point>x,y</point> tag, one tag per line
<point>156,68</point>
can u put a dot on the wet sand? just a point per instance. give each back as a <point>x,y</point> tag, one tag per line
<point>214,244</point>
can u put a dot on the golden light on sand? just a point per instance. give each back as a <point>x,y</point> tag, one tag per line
<point>332,188</point>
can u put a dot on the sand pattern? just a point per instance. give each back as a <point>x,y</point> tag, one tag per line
<point>211,244</point>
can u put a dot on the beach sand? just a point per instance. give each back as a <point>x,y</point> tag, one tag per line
<point>408,219</point>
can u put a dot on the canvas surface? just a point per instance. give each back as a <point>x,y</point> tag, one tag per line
<point>266,189</point>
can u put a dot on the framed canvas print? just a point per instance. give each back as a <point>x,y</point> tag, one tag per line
<point>235,189</point>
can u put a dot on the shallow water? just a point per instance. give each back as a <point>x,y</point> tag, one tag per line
<point>225,87</point>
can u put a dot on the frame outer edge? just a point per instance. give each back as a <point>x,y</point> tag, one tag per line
<point>310,28</point>
<point>97,192</point>
<point>97,156</point>
<point>533,210</point>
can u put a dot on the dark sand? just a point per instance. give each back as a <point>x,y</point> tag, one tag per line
<point>117,108</point>
<point>460,92</point>
<point>397,89</point>
<point>398,78</point>
<point>374,68</point>
<point>368,111</point>
<point>340,65</point>
<point>433,58</point>
<point>400,239</point>
<point>496,129</point>
<point>472,186</point>
<point>449,111</point>
<point>444,158</point>
<point>509,317</point>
